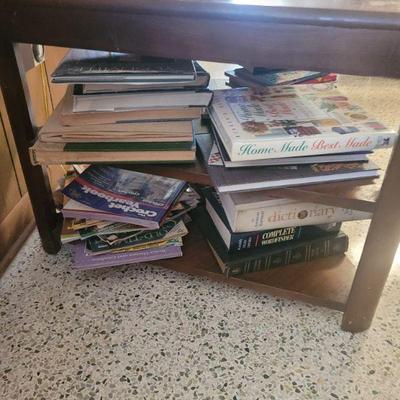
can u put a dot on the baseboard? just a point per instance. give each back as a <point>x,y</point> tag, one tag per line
<point>14,230</point>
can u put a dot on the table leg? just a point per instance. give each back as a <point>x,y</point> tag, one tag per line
<point>378,253</point>
<point>15,97</point>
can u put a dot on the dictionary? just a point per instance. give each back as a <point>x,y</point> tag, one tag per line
<point>126,196</point>
<point>249,211</point>
<point>293,121</point>
<point>261,238</point>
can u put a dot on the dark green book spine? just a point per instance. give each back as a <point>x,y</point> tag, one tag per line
<point>325,247</point>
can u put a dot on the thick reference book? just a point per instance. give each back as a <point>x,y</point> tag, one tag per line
<point>242,241</point>
<point>265,258</point>
<point>82,259</point>
<point>290,121</point>
<point>134,197</point>
<point>250,211</point>
<point>264,177</point>
<point>84,66</point>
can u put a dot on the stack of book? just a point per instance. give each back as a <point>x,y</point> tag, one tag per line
<point>261,77</point>
<point>123,108</point>
<point>270,139</point>
<point>114,216</point>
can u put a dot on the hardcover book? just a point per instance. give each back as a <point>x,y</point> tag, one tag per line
<point>263,177</point>
<point>218,153</point>
<point>249,211</point>
<point>133,197</point>
<point>263,259</point>
<point>144,100</point>
<point>261,238</point>
<point>81,66</point>
<point>280,77</point>
<point>70,118</point>
<point>201,81</point>
<point>290,121</point>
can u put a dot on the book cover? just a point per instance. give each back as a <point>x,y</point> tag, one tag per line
<point>249,211</point>
<point>144,100</point>
<point>171,229</point>
<point>218,152</point>
<point>272,78</point>
<point>264,259</point>
<point>145,199</point>
<point>290,121</point>
<point>270,177</point>
<point>201,81</point>
<point>103,66</point>
<point>262,238</point>
<point>83,260</point>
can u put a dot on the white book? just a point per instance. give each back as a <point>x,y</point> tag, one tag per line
<point>256,211</point>
<point>293,121</point>
<point>141,100</point>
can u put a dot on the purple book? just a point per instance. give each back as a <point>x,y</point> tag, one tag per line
<point>133,197</point>
<point>83,260</point>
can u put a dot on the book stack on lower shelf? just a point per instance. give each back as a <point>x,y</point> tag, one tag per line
<point>114,216</point>
<point>122,108</point>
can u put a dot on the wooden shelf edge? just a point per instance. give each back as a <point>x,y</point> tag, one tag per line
<point>325,282</point>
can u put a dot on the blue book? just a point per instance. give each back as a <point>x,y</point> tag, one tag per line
<point>129,196</point>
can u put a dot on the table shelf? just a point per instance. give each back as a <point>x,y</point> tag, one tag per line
<point>325,282</point>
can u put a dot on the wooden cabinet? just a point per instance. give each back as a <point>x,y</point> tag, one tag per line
<point>16,218</point>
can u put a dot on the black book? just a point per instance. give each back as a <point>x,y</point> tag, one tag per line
<point>269,238</point>
<point>264,259</point>
<point>200,82</point>
<point>85,66</point>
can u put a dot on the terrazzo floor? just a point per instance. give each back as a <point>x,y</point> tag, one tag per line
<point>141,332</point>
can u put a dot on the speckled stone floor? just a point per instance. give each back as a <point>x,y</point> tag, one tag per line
<point>139,332</point>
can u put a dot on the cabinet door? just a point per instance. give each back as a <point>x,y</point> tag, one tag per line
<point>9,189</point>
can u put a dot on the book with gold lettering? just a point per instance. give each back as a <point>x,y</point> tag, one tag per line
<point>265,258</point>
<point>293,121</point>
<point>242,241</point>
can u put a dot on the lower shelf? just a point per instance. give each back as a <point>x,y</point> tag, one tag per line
<point>324,282</point>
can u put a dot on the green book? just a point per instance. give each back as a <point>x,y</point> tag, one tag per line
<point>129,146</point>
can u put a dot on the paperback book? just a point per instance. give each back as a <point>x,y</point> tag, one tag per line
<point>292,121</point>
<point>130,196</point>
<point>84,260</point>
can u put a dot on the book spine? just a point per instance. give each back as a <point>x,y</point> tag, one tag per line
<point>303,252</point>
<point>310,145</point>
<point>295,214</point>
<point>267,238</point>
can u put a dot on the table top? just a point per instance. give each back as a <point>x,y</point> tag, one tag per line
<point>346,36</point>
<point>376,13</point>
